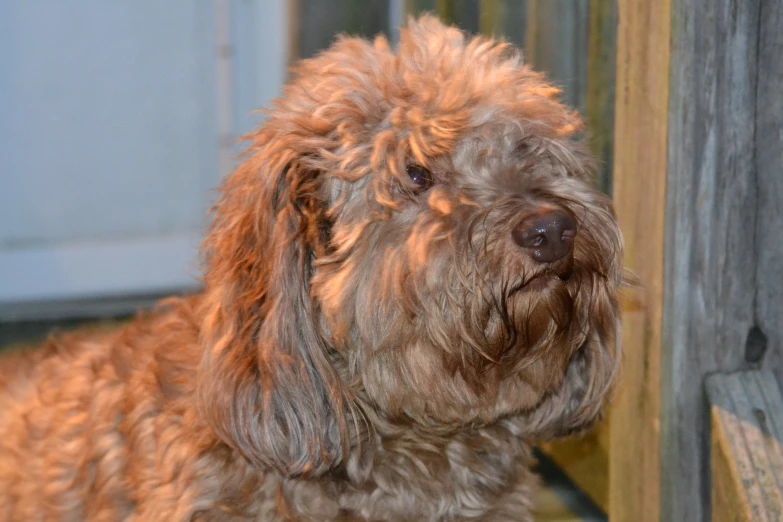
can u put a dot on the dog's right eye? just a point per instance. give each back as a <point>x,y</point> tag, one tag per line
<point>420,176</point>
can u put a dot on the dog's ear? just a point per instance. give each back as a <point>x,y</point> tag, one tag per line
<point>268,384</point>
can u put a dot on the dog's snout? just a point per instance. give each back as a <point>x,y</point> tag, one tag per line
<point>548,236</point>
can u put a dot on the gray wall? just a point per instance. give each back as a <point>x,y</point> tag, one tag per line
<point>117,121</point>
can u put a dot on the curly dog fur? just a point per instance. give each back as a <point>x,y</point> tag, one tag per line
<point>371,344</point>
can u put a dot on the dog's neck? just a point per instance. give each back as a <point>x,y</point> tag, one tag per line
<point>471,469</point>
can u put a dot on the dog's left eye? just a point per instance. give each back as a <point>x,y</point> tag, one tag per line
<point>420,176</point>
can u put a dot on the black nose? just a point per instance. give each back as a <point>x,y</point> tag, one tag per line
<point>548,236</point>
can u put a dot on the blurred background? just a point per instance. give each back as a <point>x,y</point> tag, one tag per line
<point>119,118</point>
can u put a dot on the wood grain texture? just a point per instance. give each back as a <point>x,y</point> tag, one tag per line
<point>640,132</point>
<point>746,434</point>
<point>712,212</point>
<point>769,185</point>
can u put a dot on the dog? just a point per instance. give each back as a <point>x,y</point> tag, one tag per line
<point>408,282</point>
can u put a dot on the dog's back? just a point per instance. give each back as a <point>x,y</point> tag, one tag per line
<point>89,419</point>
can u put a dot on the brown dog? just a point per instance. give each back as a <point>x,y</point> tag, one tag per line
<point>408,281</point>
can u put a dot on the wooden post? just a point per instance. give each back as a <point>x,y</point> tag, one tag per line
<point>767,338</point>
<point>641,118</point>
<point>712,212</point>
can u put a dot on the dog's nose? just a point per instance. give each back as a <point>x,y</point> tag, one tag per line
<point>548,236</point>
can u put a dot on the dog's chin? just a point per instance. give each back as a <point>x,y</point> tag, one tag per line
<point>541,277</point>
<point>546,282</point>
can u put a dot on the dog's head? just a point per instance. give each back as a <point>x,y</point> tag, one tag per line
<point>413,234</point>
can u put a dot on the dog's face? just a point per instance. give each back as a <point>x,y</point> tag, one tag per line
<point>415,233</point>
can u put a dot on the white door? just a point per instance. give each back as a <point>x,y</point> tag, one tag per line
<point>115,122</point>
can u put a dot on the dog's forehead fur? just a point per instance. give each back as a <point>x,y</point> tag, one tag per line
<point>419,103</point>
<point>437,83</point>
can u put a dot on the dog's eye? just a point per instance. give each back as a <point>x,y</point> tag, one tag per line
<point>420,176</point>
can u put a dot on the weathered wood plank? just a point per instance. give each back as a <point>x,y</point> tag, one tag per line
<point>746,423</point>
<point>769,184</point>
<point>711,212</point>
<point>641,110</point>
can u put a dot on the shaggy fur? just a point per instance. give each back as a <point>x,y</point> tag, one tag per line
<point>366,348</point>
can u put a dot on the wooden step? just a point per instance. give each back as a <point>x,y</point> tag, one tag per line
<point>746,454</point>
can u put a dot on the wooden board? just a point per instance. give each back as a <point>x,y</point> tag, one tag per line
<point>768,155</point>
<point>712,247</point>
<point>639,195</point>
<point>746,435</point>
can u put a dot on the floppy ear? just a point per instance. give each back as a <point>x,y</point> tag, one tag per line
<point>267,384</point>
